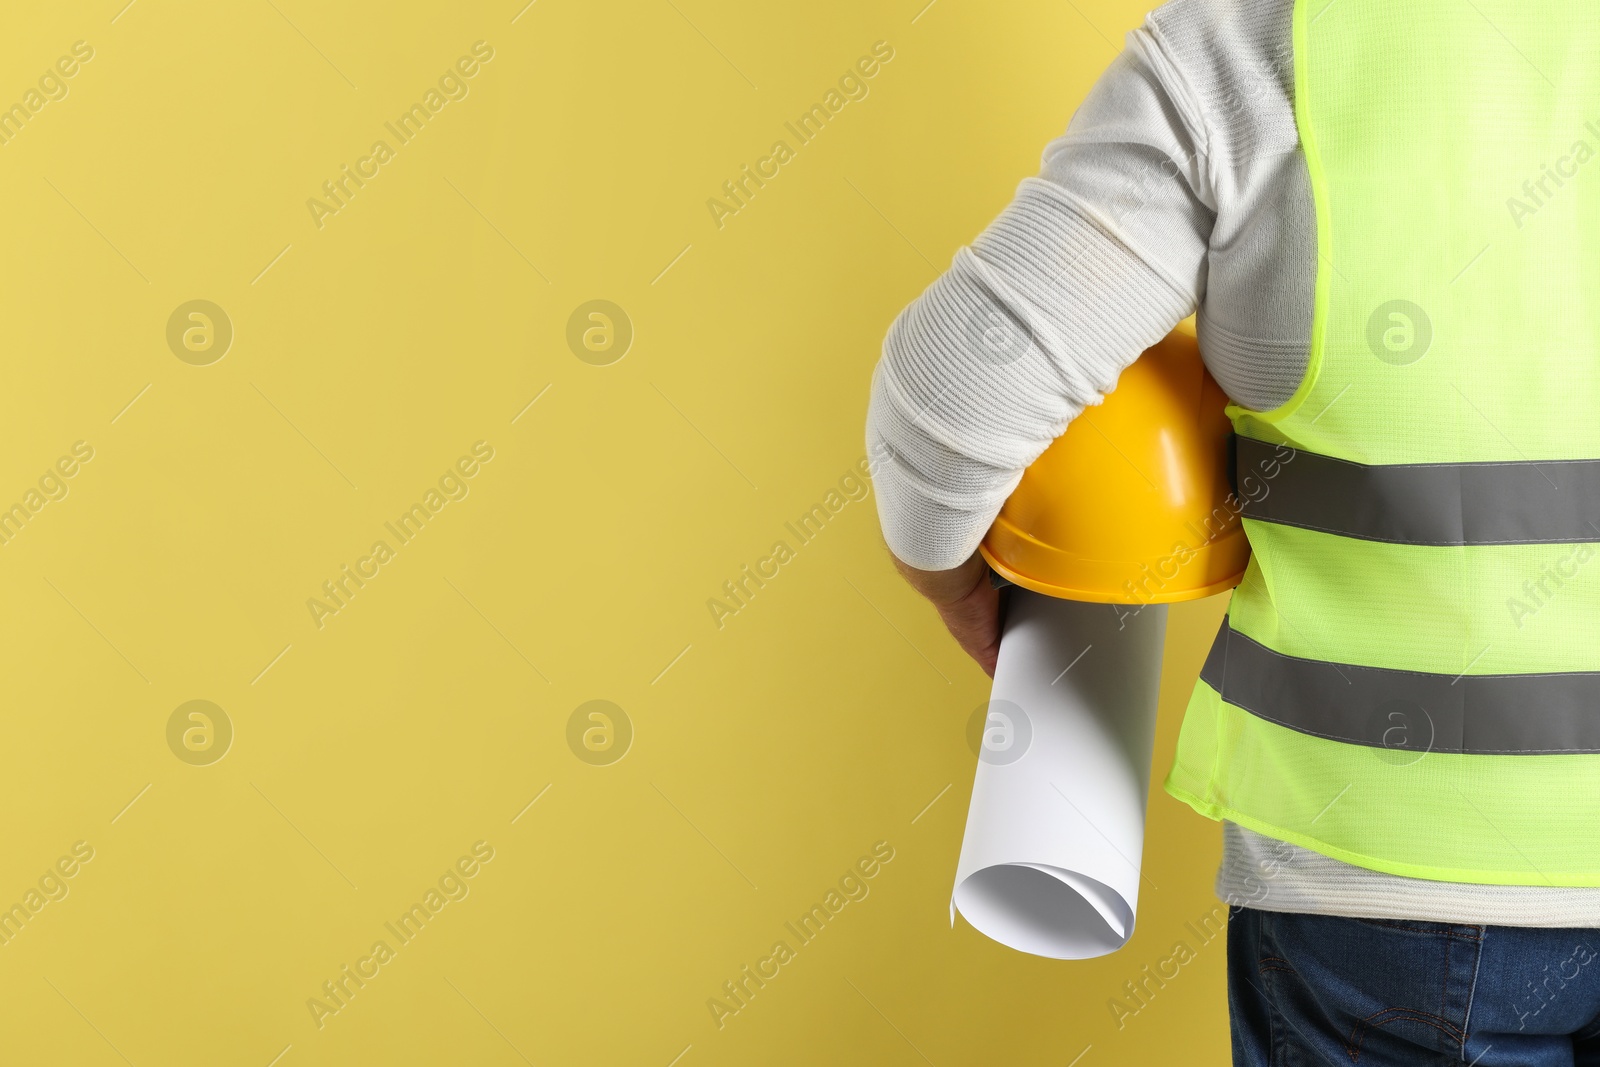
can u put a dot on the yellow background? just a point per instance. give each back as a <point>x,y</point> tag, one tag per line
<point>370,353</point>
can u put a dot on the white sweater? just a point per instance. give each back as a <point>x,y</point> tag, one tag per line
<point>1178,186</point>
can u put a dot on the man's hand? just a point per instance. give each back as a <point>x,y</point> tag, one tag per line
<point>968,604</point>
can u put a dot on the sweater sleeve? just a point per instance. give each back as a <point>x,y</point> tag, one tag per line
<point>1093,261</point>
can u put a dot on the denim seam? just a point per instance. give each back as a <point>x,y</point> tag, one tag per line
<point>1442,1024</point>
<point>1277,1042</point>
<point>1472,991</point>
<point>1444,990</point>
<point>1358,1035</point>
<point>1450,931</point>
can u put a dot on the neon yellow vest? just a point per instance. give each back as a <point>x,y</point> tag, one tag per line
<point>1409,675</point>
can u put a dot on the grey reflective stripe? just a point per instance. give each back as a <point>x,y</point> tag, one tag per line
<point>1524,502</point>
<point>1408,711</point>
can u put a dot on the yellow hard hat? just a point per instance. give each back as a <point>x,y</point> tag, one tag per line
<point>1132,504</point>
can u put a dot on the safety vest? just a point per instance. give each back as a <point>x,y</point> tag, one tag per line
<point>1408,677</point>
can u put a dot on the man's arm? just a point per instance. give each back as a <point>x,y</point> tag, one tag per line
<point>1092,262</point>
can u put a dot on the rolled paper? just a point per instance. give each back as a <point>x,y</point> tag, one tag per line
<point>1055,830</point>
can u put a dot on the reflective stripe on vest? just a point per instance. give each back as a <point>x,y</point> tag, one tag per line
<point>1409,675</point>
<point>1501,503</point>
<point>1407,710</point>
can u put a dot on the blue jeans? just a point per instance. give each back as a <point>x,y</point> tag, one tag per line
<point>1309,990</point>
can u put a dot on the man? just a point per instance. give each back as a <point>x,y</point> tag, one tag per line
<point>1384,215</point>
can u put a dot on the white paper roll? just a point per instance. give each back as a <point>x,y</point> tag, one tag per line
<point>1055,832</point>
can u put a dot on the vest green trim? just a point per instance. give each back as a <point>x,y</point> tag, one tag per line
<point>1319,312</point>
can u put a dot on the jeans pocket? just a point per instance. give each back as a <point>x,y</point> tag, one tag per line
<point>1369,990</point>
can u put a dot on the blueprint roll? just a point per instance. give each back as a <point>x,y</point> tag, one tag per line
<point>1055,831</point>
